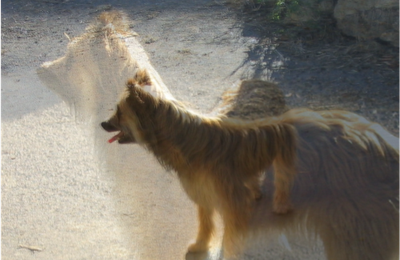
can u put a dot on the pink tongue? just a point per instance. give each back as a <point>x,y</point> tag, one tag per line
<point>116,137</point>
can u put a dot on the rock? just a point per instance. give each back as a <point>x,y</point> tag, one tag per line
<point>302,11</point>
<point>326,6</point>
<point>369,19</point>
<point>300,16</point>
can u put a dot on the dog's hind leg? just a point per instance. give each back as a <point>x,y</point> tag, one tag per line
<point>205,232</point>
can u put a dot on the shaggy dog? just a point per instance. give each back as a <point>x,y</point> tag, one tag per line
<point>344,168</point>
<point>212,176</point>
<point>108,53</point>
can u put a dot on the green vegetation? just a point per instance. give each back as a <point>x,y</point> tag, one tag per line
<point>282,7</point>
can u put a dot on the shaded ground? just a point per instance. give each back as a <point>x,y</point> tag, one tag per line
<point>314,68</point>
<point>56,197</point>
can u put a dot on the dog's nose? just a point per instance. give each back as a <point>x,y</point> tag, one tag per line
<point>108,127</point>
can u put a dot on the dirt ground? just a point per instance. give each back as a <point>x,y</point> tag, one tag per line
<point>59,202</point>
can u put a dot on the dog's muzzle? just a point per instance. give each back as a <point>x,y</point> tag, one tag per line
<point>109,127</point>
<point>120,137</point>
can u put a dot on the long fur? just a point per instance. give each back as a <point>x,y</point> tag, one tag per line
<point>345,190</point>
<point>226,155</point>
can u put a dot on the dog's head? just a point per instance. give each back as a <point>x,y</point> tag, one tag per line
<point>122,120</point>
<point>114,125</point>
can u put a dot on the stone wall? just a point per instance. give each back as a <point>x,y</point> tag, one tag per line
<point>362,19</point>
<point>369,19</point>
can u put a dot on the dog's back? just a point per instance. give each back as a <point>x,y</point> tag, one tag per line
<point>346,190</point>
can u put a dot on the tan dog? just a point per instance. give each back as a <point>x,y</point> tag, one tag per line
<point>345,191</point>
<point>218,160</point>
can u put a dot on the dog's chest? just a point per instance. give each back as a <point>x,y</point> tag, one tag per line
<point>199,187</point>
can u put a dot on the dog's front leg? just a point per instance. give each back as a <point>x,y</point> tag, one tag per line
<point>206,229</point>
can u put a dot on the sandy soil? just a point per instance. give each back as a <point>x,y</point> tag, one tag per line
<point>58,199</point>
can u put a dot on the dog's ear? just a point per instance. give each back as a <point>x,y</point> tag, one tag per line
<point>131,84</point>
<point>142,78</point>
<point>134,91</point>
<point>139,87</point>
